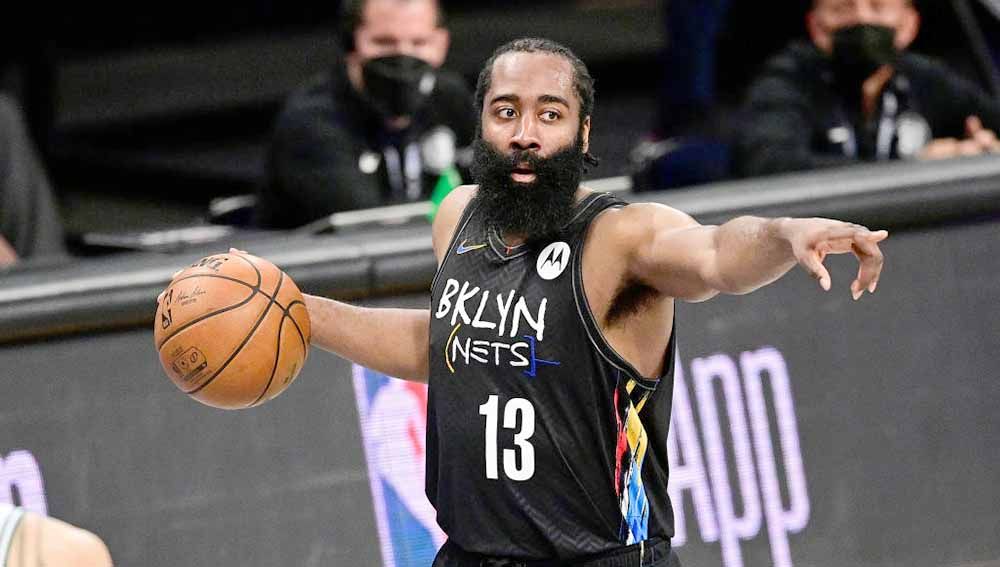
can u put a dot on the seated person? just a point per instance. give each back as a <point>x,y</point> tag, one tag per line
<point>855,94</point>
<point>384,126</point>
<point>30,226</point>
<point>27,538</point>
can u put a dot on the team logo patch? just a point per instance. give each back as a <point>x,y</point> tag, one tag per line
<point>553,260</point>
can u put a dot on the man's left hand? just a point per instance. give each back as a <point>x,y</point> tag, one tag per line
<point>812,239</point>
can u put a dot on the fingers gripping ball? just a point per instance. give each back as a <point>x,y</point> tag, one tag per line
<point>232,330</point>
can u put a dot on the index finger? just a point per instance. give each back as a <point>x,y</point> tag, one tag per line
<point>814,265</point>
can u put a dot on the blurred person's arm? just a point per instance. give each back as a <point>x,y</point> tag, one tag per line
<point>978,140</point>
<point>775,135</point>
<point>967,118</point>
<point>7,254</point>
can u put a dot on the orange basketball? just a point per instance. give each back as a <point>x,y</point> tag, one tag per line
<point>232,330</point>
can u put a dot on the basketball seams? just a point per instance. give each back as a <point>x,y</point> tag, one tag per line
<point>256,288</point>
<point>288,313</point>
<point>260,277</point>
<point>246,339</point>
<point>201,318</point>
<point>244,359</point>
<point>274,368</point>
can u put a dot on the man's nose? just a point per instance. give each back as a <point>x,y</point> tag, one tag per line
<point>526,135</point>
<point>404,49</point>
<point>864,13</point>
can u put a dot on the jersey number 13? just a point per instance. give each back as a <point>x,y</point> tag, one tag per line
<point>514,406</point>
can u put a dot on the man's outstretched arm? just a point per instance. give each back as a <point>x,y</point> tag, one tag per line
<point>679,257</point>
<point>391,341</point>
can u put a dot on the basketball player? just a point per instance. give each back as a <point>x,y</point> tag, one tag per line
<point>549,343</point>
<point>30,540</point>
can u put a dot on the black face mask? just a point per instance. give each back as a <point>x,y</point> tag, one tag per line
<point>535,210</point>
<point>397,85</point>
<point>859,51</point>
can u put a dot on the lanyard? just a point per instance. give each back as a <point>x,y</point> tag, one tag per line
<point>404,174</point>
<point>884,136</point>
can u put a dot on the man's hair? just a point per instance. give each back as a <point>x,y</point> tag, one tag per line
<point>353,11</point>
<point>582,81</point>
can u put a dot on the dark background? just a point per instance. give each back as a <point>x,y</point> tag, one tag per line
<point>147,113</point>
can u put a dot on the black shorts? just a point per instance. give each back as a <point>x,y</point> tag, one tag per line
<point>653,553</point>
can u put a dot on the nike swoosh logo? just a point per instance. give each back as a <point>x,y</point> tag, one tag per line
<point>462,248</point>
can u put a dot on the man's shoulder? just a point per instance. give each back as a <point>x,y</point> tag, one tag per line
<point>316,91</point>
<point>324,94</point>
<point>316,106</point>
<point>797,58</point>
<point>451,105</point>
<point>451,83</point>
<point>449,214</point>
<point>455,203</point>
<point>632,224</point>
<point>925,67</point>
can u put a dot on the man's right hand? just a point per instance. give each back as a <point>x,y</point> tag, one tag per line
<point>978,140</point>
<point>7,254</point>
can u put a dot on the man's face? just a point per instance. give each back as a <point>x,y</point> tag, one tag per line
<point>828,16</point>
<point>529,159</point>
<point>400,27</point>
<point>532,106</point>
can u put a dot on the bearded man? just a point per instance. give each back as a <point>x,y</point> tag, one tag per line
<point>549,342</point>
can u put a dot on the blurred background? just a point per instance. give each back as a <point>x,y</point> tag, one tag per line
<point>876,442</point>
<point>149,114</point>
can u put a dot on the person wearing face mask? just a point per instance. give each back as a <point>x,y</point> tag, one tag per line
<point>385,125</point>
<point>856,95</point>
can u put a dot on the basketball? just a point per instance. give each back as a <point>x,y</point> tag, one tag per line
<point>232,330</point>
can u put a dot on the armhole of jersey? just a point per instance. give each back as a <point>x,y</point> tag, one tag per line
<point>463,221</point>
<point>8,526</point>
<point>597,339</point>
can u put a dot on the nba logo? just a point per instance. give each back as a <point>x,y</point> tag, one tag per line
<point>393,415</point>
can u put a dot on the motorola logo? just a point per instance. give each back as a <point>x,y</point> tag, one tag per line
<point>553,260</point>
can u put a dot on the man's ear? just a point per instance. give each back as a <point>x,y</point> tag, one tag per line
<point>352,61</point>
<point>441,40</point>
<point>585,134</point>
<point>908,29</point>
<point>819,35</point>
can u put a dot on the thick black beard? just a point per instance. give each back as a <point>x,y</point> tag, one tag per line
<point>537,210</point>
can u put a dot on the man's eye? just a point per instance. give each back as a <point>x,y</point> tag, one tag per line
<point>550,115</point>
<point>507,113</point>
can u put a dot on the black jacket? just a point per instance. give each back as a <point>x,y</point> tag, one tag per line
<point>796,118</point>
<point>331,153</point>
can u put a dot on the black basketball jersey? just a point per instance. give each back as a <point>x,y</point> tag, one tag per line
<point>542,441</point>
